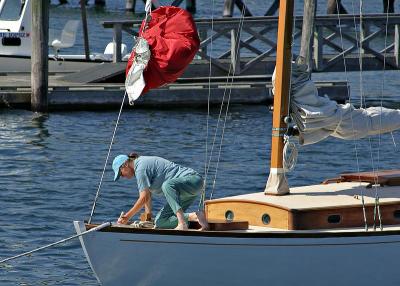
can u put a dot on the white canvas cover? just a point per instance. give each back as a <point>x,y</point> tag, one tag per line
<point>134,83</point>
<point>318,117</point>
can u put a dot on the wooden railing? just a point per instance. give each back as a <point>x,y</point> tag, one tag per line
<point>238,45</point>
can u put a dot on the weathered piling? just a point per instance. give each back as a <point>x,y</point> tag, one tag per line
<point>191,6</point>
<point>85,29</point>
<point>388,6</point>
<point>333,5</point>
<point>100,3</point>
<point>308,31</point>
<point>130,5</point>
<point>229,7</point>
<point>39,59</point>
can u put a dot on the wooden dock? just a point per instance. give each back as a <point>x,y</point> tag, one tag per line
<point>94,85</point>
<point>15,92</point>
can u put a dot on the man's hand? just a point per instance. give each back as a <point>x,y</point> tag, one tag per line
<point>123,218</point>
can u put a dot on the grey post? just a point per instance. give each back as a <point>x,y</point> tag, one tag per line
<point>85,29</point>
<point>228,8</point>
<point>191,6</point>
<point>117,42</point>
<point>308,31</point>
<point>235,51</point>
<point>397,44</point>
<point>130,5</point>
<point>318,47</point>
<point>40,55</point>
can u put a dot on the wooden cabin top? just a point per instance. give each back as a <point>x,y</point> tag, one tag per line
<point>324,206</point>
<point>335,195</point>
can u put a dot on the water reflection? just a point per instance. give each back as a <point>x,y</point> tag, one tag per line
<point>38,123</point>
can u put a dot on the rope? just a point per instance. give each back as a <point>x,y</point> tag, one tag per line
<point>351,115</point>
<point>147,19</point>
<point>105,163</point>
<point>106,224</point>
<point>290,153</point>
<point>208,161</point>
<point>203,193</point>
<point>377,207</point>
<point>238,34</point>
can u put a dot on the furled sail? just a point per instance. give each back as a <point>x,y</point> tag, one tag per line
<point>318,117</point>
<point>172,40</point>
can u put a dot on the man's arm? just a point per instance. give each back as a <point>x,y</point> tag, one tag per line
<point>144,198</point>
<point>148,205</point>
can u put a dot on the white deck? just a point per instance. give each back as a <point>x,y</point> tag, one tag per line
<point>325,196</point>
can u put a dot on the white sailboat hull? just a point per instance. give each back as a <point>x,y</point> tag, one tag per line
<point>148,257</point>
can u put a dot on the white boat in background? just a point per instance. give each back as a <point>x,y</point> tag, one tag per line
<point>311,235</point>
<point>15,44</point>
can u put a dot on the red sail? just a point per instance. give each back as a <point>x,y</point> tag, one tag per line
<point>173,41</point>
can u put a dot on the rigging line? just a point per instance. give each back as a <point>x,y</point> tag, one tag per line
<point>148,5</point>
<point>222,104</point>
<point>361,96</point>
<point>289,160</point>
<point>108,156</point>
<point>369,138</point>
<point>202,197</point>
<point>380,117</point>
<point>99,227</point>
<point>237,48</point>
<point>351,115</point>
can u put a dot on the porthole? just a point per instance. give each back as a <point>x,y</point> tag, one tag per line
<point>396,214</point>
<point>229,215</point>
<point>334,218</point>
<point>266,219</point>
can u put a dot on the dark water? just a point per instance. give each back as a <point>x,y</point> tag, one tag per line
<point>50,166</point>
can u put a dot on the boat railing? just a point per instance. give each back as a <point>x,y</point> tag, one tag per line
<point>334,38</point>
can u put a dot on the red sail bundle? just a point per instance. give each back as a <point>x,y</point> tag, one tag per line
<point>173,41</point>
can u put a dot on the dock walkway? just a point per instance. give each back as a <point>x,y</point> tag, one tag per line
<point>15,92</point>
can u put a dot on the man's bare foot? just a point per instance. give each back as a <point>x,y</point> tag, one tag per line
<point>181,227</point>
<point>202,220</point>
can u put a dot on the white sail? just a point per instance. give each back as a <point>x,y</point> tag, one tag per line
<point>318,117</point>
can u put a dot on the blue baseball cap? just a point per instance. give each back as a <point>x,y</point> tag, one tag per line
<point>117,163</point>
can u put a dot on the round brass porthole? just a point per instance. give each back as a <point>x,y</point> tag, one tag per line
<point>266,219</point>
<point>229,215</point>
<point>334,218</point>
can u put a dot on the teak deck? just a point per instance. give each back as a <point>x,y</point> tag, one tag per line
<point>324,206</point>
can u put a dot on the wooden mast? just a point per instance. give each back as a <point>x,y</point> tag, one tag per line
<point>277,184</point>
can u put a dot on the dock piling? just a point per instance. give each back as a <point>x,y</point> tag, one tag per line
<point>191,6</point>
<point>333,5</point>
<point>229,7</point>
<point>85,29</point>
<point>101,3</point>
<point>39,59</point>
<point>397,45</point>
<point>130,5</point>
<point>308,31</point>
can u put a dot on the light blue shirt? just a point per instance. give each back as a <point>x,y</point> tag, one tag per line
<point>151,172</point>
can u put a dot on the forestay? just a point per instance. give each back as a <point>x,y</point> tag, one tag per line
<point>318,117</point>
